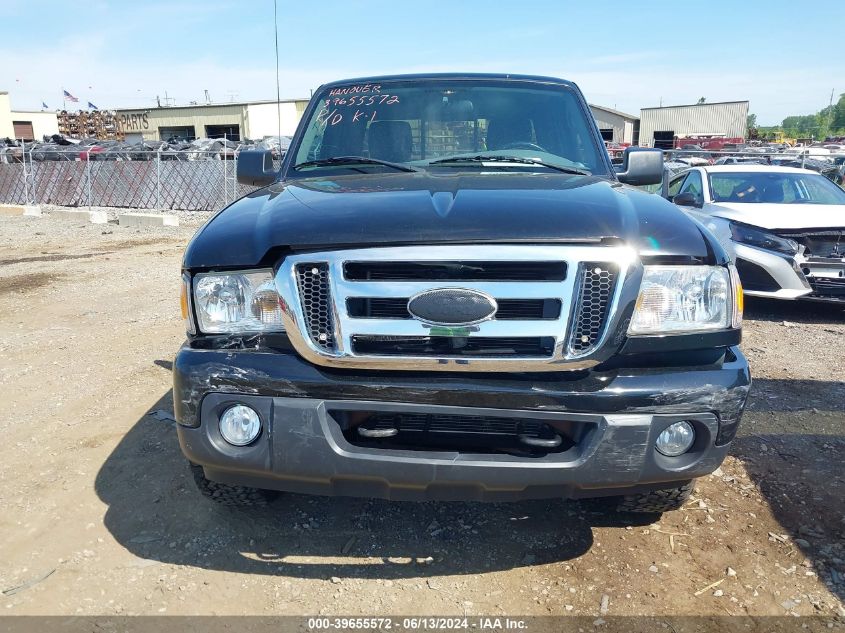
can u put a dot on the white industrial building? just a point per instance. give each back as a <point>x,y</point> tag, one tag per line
<point>615,126</point>
<point>659,127</point>
<point>235,121</point>
<point>25,125</point>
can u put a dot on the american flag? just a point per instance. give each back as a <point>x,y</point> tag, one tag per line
<point>70,97</point>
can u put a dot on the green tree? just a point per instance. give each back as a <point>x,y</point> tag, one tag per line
<point>701,100</point>
<point>801,125</point>
<point>751,121</point>
<point>837,123</point>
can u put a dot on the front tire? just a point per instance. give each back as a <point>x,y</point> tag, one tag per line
<point>231,495</point>
<point>656,501</point>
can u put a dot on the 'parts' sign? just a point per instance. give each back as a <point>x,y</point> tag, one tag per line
<point>133,121</point>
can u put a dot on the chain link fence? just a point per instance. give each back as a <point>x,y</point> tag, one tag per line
<point>166,181</point>
<point>199,180</point>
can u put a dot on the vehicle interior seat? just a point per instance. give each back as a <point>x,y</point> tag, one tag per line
<point>745,192</point>
<point>773,192</point>
<point>390,140</point>
<point>504,131</point>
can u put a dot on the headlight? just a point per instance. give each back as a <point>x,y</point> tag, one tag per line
<point>745,234</point>
<point>237,302</point>
<point>679,299</point>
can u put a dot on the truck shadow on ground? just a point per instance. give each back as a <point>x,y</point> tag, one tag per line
<point>156,513</point>
<point>760,309</point>
<point>791,444</point>
<point>805,497</point>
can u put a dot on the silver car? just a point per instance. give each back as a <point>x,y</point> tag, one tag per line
<point>784,227</point>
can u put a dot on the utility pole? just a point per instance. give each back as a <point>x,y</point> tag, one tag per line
<point>830,109</point>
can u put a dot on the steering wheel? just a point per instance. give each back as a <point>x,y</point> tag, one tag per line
<point>525,145</point>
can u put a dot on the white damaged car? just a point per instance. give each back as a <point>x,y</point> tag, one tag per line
<point>784,227</point>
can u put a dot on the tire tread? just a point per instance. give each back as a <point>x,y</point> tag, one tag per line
<point>657,501</point>
<point>231,495</point>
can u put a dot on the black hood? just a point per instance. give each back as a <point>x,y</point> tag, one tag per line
<point>452,207</point>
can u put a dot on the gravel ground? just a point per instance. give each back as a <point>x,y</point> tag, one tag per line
<point>100,515</point>
<point>188,217</point>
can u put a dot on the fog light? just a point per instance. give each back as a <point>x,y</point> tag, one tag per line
<point>239,425</point>
<point>676,440</point>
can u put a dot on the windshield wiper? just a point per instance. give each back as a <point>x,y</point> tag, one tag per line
<point>481,158</point>
<point>353,160</point>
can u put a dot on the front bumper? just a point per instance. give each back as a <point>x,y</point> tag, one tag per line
<point>302,447</point>
<point>780,276</point>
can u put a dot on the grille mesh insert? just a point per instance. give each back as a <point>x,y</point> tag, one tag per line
<point>313,282</point>
<point>464,433</point>
<point>828,286</point>
<point>597,283</point>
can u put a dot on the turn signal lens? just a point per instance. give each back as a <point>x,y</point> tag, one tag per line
<point>185,303</point>
<point>739,297</point>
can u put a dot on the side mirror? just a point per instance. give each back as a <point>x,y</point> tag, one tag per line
<point>641,166</point>
<point>255,168</point>
<point>688,199</point>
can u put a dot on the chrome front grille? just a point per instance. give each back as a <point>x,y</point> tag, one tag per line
<point>556,305</point>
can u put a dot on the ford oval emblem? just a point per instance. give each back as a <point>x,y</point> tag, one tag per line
<point>452,306</point>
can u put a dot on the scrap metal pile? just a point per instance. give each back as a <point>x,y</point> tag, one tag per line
<point>826,158</point>
<point>61,148</point>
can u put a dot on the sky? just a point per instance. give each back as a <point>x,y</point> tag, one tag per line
<point>624,55</point>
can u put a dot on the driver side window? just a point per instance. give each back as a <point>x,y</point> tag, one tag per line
<point>693,185</point>
<point>675,185</point>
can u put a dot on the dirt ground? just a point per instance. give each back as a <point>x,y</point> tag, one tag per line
<point>98,514</point>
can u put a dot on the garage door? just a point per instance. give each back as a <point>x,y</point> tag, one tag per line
<point>664,139</point>
<point>231,132</point>
<point>23,130</point>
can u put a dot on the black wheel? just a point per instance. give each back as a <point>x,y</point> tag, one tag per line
<point>230,495</point>
<point>656,501</point>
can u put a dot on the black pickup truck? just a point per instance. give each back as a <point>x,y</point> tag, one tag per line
<point>446,292</point>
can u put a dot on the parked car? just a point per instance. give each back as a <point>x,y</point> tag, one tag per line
<point>277,145</point>
<point>739,160</point>
<point>692,161</point>
<point>784,226</point>
<point>481,311</point>
<point>827,166</point>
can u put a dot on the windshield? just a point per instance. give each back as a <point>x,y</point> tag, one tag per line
<point>774,187</point>
<point>418,122</point>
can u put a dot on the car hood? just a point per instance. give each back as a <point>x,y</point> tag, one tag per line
<point>434,208</point>
<point>782,216</point>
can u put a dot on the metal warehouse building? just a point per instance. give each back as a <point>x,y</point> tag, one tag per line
<point>615,126</point>
<point>660,126</point>
<point>235,121</point>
